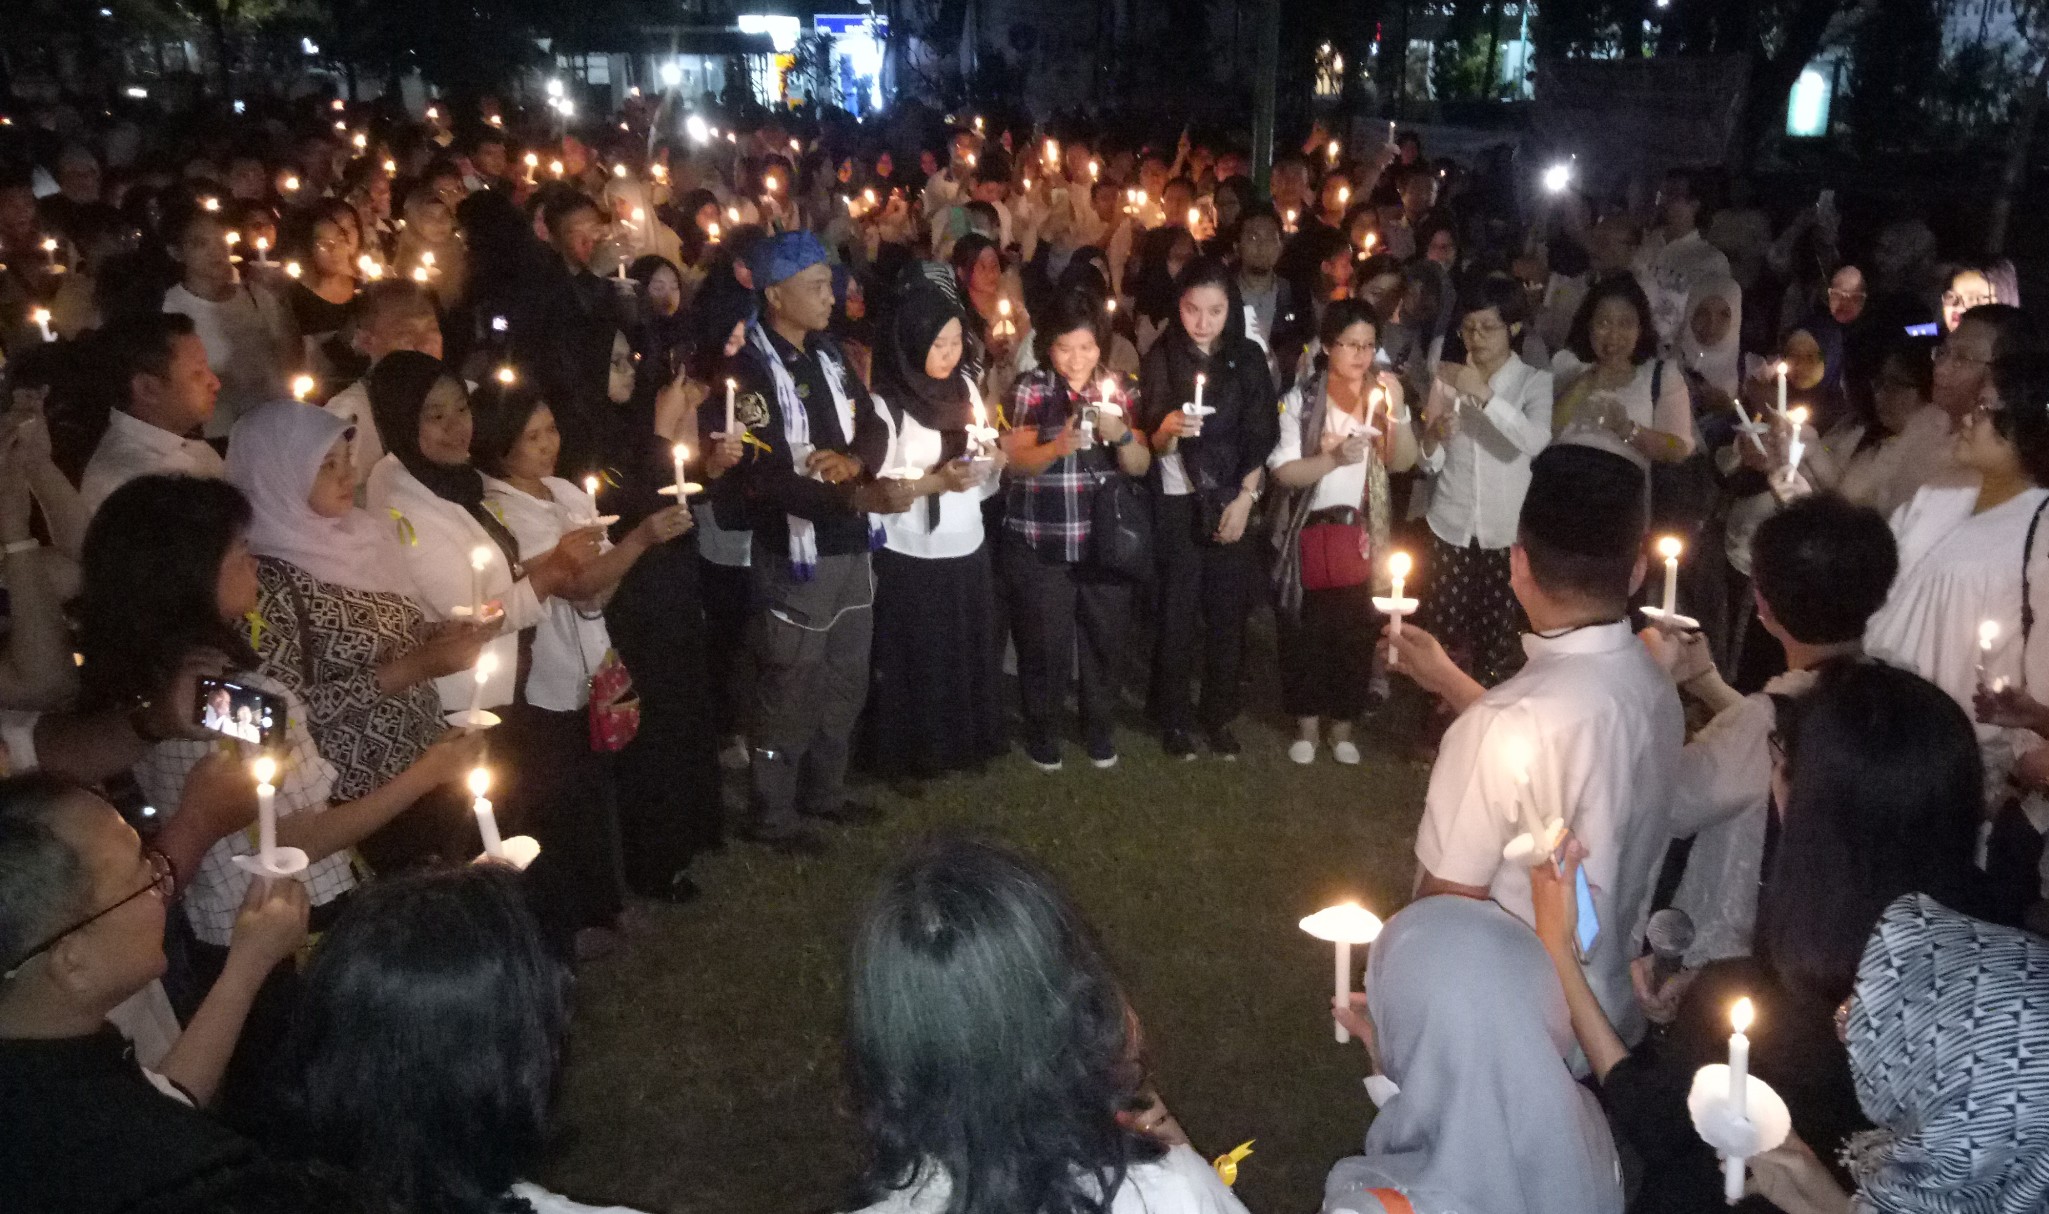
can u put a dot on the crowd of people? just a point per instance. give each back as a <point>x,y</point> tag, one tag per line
<point>591,467</point>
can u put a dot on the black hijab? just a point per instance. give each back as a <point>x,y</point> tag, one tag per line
<point>398,389</point>
<point>901,382</point>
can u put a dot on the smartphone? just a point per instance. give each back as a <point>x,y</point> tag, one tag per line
<point>1589,922</point>
<point>235,710</point>
<point>1930,329</point>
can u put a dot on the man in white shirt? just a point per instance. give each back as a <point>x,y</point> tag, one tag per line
<point>395,315</point>
<point>949,186</point>
<point>1675,257</point>
<point>1591,721</point>
<point>250,339</point>
<point>171,392</point>
<point>1819,570</point>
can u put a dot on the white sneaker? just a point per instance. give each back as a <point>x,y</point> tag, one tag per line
<point>1345,752</point>
<point>1303,751</point>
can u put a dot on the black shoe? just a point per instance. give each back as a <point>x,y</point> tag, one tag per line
<point>1102,753</point>
<point>1179,744</point>
<point>1044,753</point>
<point>796,841</point>
<point>1223,743</point>
<point>846,813</point>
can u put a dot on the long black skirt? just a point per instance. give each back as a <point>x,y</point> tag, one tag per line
<point>934,697</point>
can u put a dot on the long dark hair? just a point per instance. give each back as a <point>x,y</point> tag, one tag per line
<point>1620,285</point>
<point>499,413</point>
<point>986,1034</point>
<point>1886,787</point>
<point>425,1049</point>
<point>150,584</point>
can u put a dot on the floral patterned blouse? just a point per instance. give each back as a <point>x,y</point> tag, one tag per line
<point>325,642</point>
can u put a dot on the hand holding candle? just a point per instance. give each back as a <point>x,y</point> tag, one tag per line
<point>1343,925</point>
<point>680,455</point>
<point>1397,604</point>
<point>270,862</point>
<point>732,422</point>
<point>1667,615</point>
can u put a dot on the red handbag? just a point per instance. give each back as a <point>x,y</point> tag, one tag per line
<point>1334,555</point>
<point>614,706</point>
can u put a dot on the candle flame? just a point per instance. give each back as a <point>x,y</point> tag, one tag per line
<point>1333,149</point>
<point>40,316</point>
<point>1670,547</point>
<point>480,557</point>
<point>479,781</point>
<point>302,387</point>
<point>507,376</point>
<point>1003,306</point>
<point>390,166</point>
<point>590,485</point>
<point>1799,415</point>
<point>291,183</point>
<point>233,238</point>
<point>420,275</point>
<point>1742,1014</point>
<point>1345,923</point>
<point>1344,194</point>
<point>555,167</point>
<point>427,258</point>
<point>1194,217</point>
<point>486,663</point>
<point>639,215</point>
<point>682,453</point>
<point>208,203</point>
<point>264,769</point>
<point>619,170</point>
<point>1399,564</point>
<point>1988,633</point>
<point>262,243</point>
<point>532,160</point>
<point>292,269</point>
<point>713,230</point>
<point>1782,368</point>
<point>1200,379</point>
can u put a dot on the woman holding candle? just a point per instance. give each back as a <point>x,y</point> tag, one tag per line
<point>1068,612</point>
<point>1486,419</point>
<point>428,1050</point>
<point>993,1058</point>
<point>339,629</point>
<point>1466,1031</point>
<point>322,297</point>
<point>1610,379</point>
<point>1877,787</point>
<point>515,446</point>
<point>1211,471</point>
<point>1336,518</point>
<point>934,680</point>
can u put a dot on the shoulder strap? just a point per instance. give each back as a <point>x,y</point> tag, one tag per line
<point>2027,587</point>
<point>1392,1201</point>
<point>303,619</point>
<point>1657,381</point>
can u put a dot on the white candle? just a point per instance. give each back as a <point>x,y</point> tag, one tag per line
<point>263,250</point>
<point>732,423</point>
<point>1798,447</point>
<point>480,558</point>
<point>487,819</point>
<point>1344,926</point>
<point>265,771</point>
<point>486,663</point>
<point>1398,568</point>
<point>681,455</point>
<point>1988,635</point>
<point>42,318</point>
<point>1782,386</point>
<point>1343,983</point>
<point>1200,379</point>
<point>1739,1093</point>
<point>1670,548</point>
<point>1374,399</point>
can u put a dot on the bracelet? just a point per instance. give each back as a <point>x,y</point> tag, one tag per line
<point>19,546</point>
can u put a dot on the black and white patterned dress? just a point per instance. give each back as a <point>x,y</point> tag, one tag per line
<point>326,642</point>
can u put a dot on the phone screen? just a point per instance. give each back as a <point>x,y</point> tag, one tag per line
<point>1930,329</point>
<point>237,711</point>
<point>1589,922</point>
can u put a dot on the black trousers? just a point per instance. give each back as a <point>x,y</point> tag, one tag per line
<point>561,793</point>
<point>1327,652</point>
<point>1205,593</point>
<point>728,595</point>
<point>1064,617</point>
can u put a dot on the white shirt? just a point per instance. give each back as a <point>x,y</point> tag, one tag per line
<point>304,783</point>
<point>1671,413</point>
<point>959,533</point>
<point>132,448</point>
<point>1886,475</point>
<point>1604,729</point>
<point>1179,1182</point>
<point>568,647</point>
<point>1724,795</point>
<point>437,537</point>
<point>1482,470</point>
<point>352,405</point>
<point>1346,484</point>
<point>246,336</point>
<point>1668,270</point>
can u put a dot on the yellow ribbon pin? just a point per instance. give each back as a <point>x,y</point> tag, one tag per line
<point>257,627</point>
<point>748,438</point>
<point>406,534</point>
<point>1227,1163</point>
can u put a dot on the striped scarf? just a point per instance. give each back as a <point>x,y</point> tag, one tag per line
<point>797,436</point>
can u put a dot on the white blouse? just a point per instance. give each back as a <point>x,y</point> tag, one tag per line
<point>569,645</point>
<point>1344,485</point>
<point>1480,473</point>
<point>437,537</point>
<point>914,445</point>
<point>1671,413</point>
<point>1179,1182</point>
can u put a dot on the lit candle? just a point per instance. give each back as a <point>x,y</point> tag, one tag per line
<point>681,454</point>
<point>1289,225</point>
<point>732,422</point>
<point>480,559</point>
<point>1798,447</point>
<point>1988,636</point>
<point>1781,368</point>
<point>420,275</point>
<point>292,270</point>
<point>1343,925</point>
<point>291,183</point>
<point>1095,169</point>
<point>712,231</point>
<point>1332,151</point>
<point>1194,218</point>
<point>1344,195</point>
<point>263,250</point>
<point>487,820</point>
<point>1398,569</point>
<point>265,771</point>
<point>486,663</point>
<point>1374,400</point>
<point>507,376</point>
<point>302,386</point>
<point>1200,379</point>
<point>41,317</point>
<point>619,171</point>
<point>555,167</point>
<point>1398,604</point>
<point>1670,547</point>
<point>1739,1092</point>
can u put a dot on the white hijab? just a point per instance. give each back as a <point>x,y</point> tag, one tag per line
<point>1722,363</point>
<point>1469,1020</point>
<point>274,454</point>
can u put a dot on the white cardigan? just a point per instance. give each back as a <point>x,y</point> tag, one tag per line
<point>437,537</point>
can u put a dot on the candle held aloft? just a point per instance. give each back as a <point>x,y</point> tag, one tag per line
<point>1343,925</point>
<point>1739,1094</point>
<point>1781,369</point>
<point>1396,605</point>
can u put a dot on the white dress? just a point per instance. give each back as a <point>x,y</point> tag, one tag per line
<point>1958,570</point>
<point>571,641</point>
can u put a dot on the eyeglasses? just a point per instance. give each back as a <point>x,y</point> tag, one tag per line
<point>1354,347</point>
<point>1956,299</point>
<point>1482,328</point>
<point>163,882</point>
<point>1839,293</point>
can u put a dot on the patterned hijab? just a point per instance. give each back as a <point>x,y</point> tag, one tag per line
<point>1949,1045</point>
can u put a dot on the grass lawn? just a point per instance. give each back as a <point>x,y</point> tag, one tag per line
<point>706,1063</point>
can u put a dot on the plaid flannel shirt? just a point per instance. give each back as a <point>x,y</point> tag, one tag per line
<point>1051,511</point>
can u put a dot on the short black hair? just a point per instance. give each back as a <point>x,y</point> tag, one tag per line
<point>1824,565</point>
<point>2020,378</point>
<point>1077,308</point>
<point>1582,522</point>
<point>1502,293</point>
<point>41,880</point>
<point>141,343</point>
<point>499,413</point>
<point>1620,285</point>
<point>1342,314</point>
<point>557,207</point>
